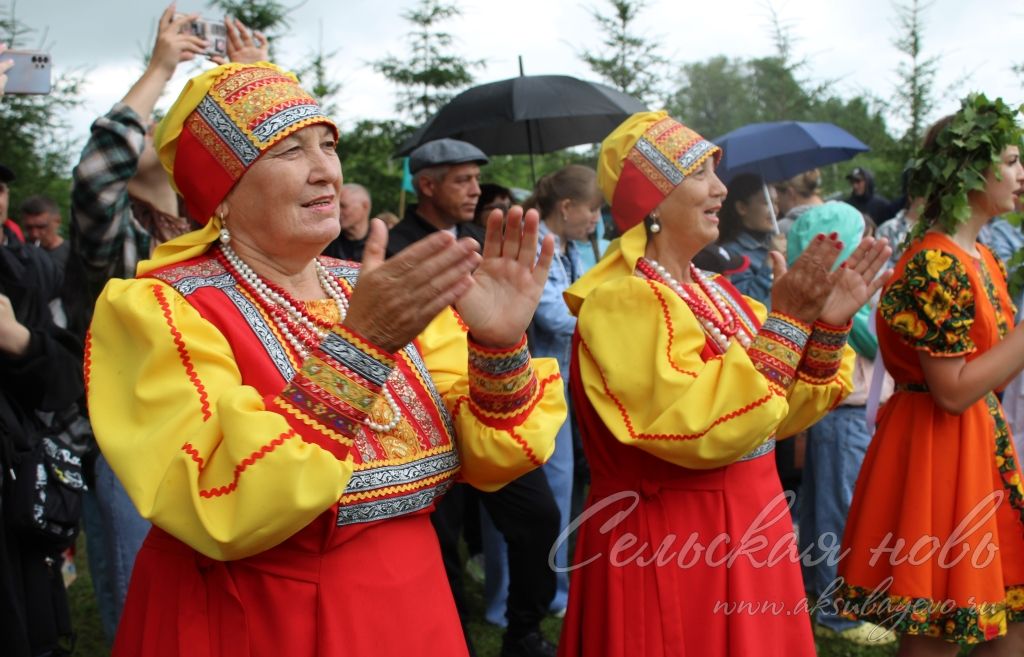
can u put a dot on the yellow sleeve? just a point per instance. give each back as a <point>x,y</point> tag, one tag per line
<point>199,453</point>
<point>506,407</point>
<point>641,367</point>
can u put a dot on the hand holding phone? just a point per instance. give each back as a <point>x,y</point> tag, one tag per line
<point>212,32</point>
<point>5,65</point>
<point>174,44</point>
<point>244,46</point>
<point>26,72</point>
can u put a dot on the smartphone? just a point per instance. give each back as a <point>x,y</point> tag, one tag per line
<point>214,32</point>
<point>30,73</point>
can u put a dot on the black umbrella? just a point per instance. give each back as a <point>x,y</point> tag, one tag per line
<point>528,114</point>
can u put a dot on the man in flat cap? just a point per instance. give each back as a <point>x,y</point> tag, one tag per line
<point>446,176</point>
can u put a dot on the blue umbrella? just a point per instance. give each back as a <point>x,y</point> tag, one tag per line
<point>782,149</point>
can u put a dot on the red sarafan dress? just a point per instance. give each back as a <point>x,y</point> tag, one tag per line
<point>284,524</point>
<point>686,547</point>
<point>935,533</point>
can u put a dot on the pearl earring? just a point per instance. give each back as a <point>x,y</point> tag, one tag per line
<point>225,235</point>
<point>655,222</point>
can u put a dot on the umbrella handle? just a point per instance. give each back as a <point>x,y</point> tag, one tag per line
<point>771,208</point>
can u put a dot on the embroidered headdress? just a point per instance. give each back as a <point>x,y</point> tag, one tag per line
<point>644,159</point>
<point>222,122</point>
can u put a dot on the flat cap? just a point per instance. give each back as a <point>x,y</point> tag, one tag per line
<point>6,175</point>
<point>444,151</point>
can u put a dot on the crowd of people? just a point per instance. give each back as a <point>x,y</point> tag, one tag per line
<point>755,417</point>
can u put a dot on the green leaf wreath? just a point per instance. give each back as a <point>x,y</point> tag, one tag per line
<point>954,164</point>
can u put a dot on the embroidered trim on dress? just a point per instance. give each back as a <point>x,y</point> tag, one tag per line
<point>824,353</point>
<point>778,348</point>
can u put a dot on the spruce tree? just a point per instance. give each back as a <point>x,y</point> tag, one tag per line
<point>629,61</point>
<point>431,74</point>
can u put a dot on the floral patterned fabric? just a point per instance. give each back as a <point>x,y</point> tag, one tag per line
<point>931,305</point>
<point>990,290</point>
<point>960,472</point>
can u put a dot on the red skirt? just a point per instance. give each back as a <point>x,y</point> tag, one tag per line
<point>702,564</point>
<point>377,589</point>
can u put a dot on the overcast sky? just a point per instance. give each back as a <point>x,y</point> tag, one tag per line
<point>850,42</point>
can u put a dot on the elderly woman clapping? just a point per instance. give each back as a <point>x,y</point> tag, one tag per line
<point>287,421</point>
<point>681,386</point>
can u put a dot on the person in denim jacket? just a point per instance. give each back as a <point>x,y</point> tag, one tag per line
<point>747,230</point>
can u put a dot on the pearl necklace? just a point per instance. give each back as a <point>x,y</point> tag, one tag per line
<point>281,300</point>
<point>722,335</point>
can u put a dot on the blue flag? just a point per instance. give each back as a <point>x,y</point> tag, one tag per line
<point>407,176</point>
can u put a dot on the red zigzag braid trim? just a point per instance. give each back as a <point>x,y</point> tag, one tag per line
<point>246,462</point>
<point>186,360</point>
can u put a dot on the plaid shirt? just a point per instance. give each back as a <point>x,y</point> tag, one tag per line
<point>104,233</point>
<point>895,230</point>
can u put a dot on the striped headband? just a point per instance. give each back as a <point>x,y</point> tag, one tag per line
<point>644,159</point>
<point>222,122</point>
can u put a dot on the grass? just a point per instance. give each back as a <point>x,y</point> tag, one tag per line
<point>85,616</point>
<point>486,637</point>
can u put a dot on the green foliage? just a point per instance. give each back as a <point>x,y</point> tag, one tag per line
<point>777,91</point>
<point>864,119</point>
<point>954,164</point>
<point>315,78</point>
<point>914,99</point>
<point>431,75</point>
<point>513,171</point>
<point>1015,266</point>
<point>630,62</point>
<point>365,154</point>
<point>42,165</point>
<point>721,94</point>
<point>713,97</point>
<point>267,16</point>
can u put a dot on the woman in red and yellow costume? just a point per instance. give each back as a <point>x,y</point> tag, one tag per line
<point>934,543</point>
<point>682,386</point>
<point>287,420</point>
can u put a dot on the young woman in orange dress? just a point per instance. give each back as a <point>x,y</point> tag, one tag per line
<point>934,544</point>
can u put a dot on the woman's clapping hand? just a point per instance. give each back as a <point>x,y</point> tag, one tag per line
<point>810,290</point>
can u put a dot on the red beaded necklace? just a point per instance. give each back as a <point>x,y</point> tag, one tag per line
<point>722,325</point>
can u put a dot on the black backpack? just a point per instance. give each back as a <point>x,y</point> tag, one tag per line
<point>48,482</point>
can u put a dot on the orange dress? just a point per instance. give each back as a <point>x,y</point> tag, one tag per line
<point>934,544</point>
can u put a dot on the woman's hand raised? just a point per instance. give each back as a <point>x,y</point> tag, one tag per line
<point>856,281</point>
<point>802,290</point>
<point>507,285</point>
<point>394,300</point>
<point>496,296</point>
<point>810,290</point>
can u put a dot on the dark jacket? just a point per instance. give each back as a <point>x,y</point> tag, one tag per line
<point>413,228</point>
<point>47,377</point>
<point>754,281</point>
<point>345,249</point>
<point>875,206</point>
